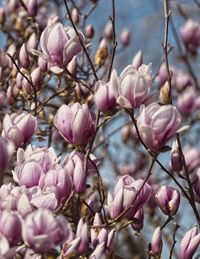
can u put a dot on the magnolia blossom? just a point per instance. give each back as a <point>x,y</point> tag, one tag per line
<point>39,167</point>
<point>76,123</point>
<point>156,242</point>
<point>168,200</point>
<point>130,195</point>
<point>59,45</point>
<point>104,96</point>
<point>42,231</point>
<point>19,128</point>
<point>190,34</point>
<point>187,101</point>
<point>157,124</point>
<point>189,244</point>
<point>134,86</point>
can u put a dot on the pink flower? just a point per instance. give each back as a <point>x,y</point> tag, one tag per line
<point>59,45</point>
<point>19,128</point>
<point>157,124</point>
<point>76,123</point>
<point>134,86</point>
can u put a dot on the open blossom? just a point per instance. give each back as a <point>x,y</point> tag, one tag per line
<point>130,195</point>
<point>19,128</point>
<point>40,167</point>
<point>76,123</point>
<point>134,86</point>
<point>43,231</point>
<point>168,200</point>
<point>59,45</point>
<point>157,124</point>
<point>189,244</point>
<point>10,226</point>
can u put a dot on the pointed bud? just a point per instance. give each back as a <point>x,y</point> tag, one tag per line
<point>83,233</point>
<point>108,31</point>
<point>79,177</point>
<point>165,94</point>
<point>176,158</point>
<point>75,15</point>
<point>24,57</point>
<point>89,31</point>
<point>101,53</point>
<point>168,200</point>
<point>137,60</point>
<point>3,155</point>
<point>156,243</point>
<point>189,244</point>
<point>125,37</point>
<point>139,215</point>
<point>36,78</point>
<point>32,7</point>
<point>43,64</point>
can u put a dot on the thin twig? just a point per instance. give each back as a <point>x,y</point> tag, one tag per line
<point>114,42</point>
<point>80,40</point>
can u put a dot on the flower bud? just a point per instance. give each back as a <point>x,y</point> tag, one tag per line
<point>104,93</point>
<point>125,37</point>
<point>101,53</point>
<point>196,183</point>
<point>24,57</point>
<point>3,155</point>
<point>75,15</point>
<point>187,101</point>
<point>36,78</point>
<point>2,15</point>
<point>32,7</point>
<point>137,60</point>
<point>156,243</point>
<point>79,177</point>
<point>83,233</point>
<point>89,31</point>
<point>139,215</point>
<point>43,65</point>
<point>165,96</point>
<point>176,158</point>
<point>32,42</point>
<point>189,244</point>
<point>108,31</point>
<point>168,200</point>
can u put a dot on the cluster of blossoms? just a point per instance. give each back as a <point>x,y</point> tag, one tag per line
<point>56,105</point>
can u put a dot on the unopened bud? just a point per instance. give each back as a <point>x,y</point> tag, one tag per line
<point>24,57</point>
<point>176,158</point>
<point>2,15</point>
<point>125,37</point>
<point>32,7</point>
<point>108,30</point>
<point>89,31</point>
<point>137,59</point>
<point>156,243</point>
<point>165,94</point>
<point>101,53</point>
<point>75,15</point>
